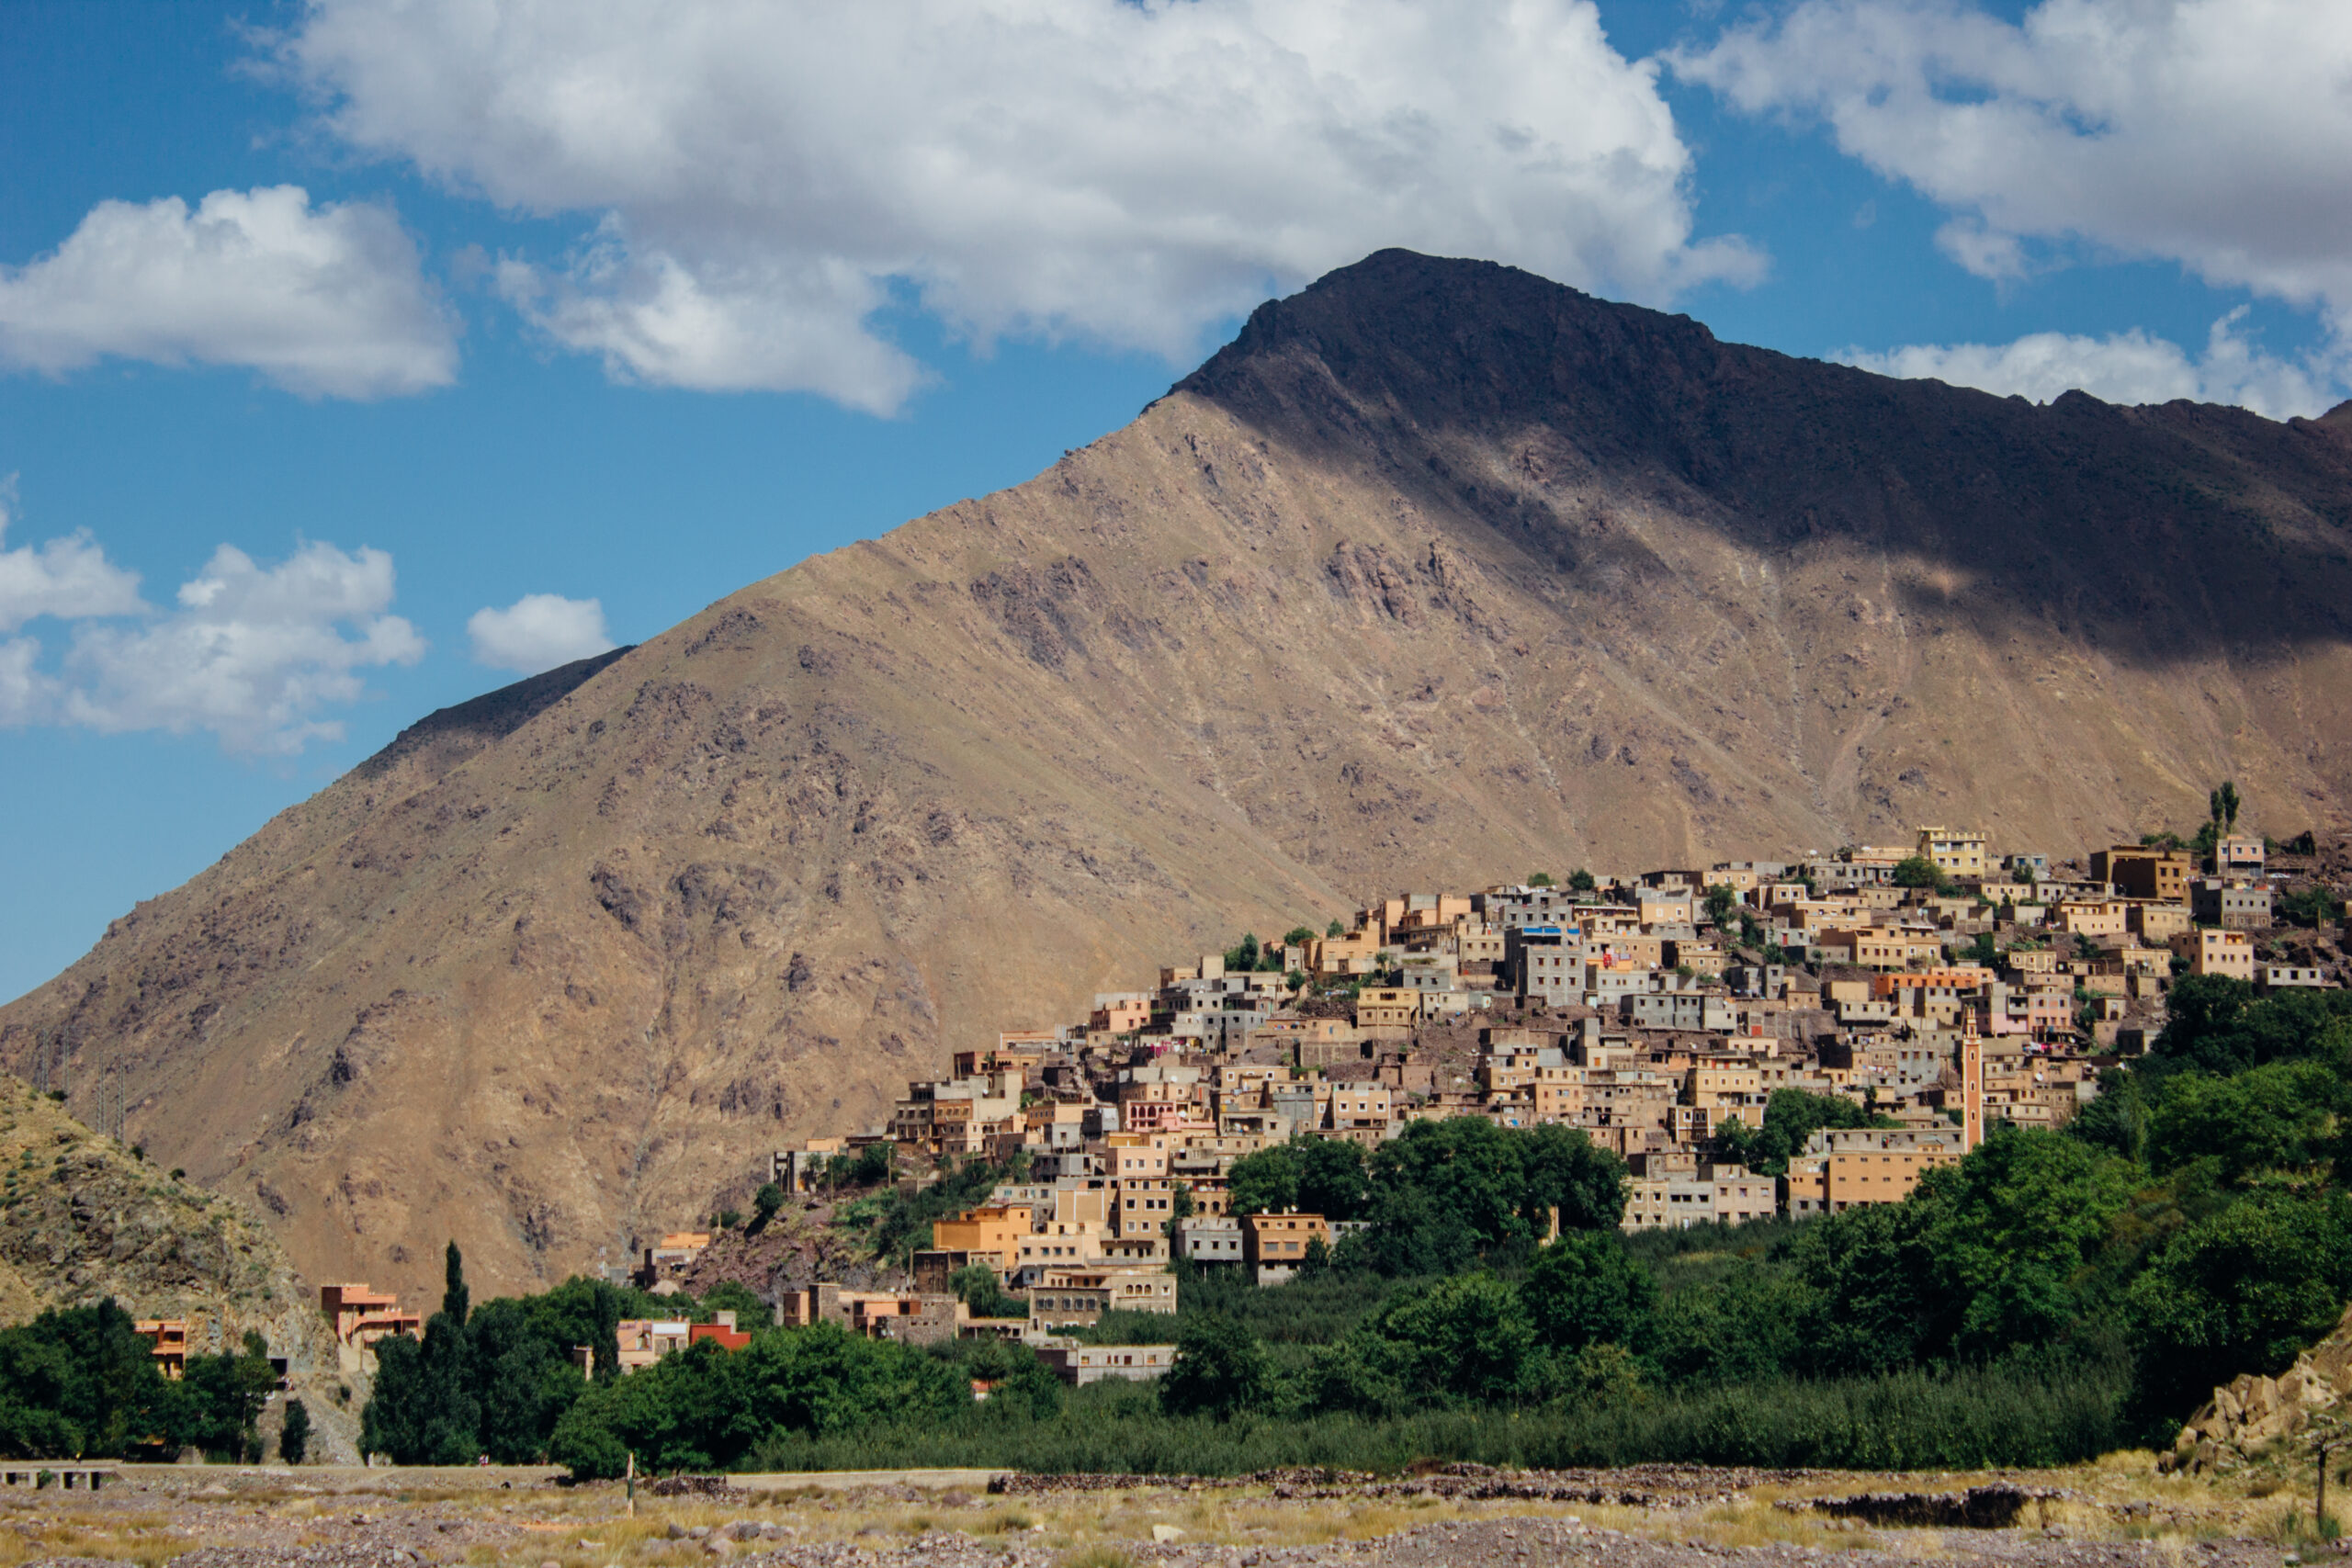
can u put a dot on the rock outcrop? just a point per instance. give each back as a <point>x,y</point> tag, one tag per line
<point>2252,1411</point>
<point>1439,573</point>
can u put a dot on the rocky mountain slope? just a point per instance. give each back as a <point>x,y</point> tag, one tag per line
<point>83,1218</point>
<point>1439,573</point>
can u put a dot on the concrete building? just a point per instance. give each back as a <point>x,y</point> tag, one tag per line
<point>1205,1239</point>
<point>361,1317</point>
<point>1956,851</point>
<point>2229,903</point>
<point>1079,1365</point>
<point>2217,952</point>
<point>1273,1245</point>
<point>2138,871</point>
<point>1705,1194</point>
<point>1840,1168</point>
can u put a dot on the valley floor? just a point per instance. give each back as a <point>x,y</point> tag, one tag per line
<point>2119,1514</point>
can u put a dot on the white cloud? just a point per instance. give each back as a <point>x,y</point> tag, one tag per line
<point>538,632</point>
<point>250,654</point>
<point>330,302</point>
<point>763,178</point>
<point>64,578</point>
<point>2209,132</point>
<point>2123,367</point>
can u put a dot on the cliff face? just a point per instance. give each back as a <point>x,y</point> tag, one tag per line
<point>1439,573</point>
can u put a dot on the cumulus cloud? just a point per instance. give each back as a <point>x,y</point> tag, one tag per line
<point>64,578</point>
<point>330,302</point>
<point>538,632</point>
<point>762,180</point>
<point>250,653</point>
<point>2123,367</point>
<point>2208,132</point>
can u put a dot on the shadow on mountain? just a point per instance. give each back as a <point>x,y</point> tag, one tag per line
<point>2155,534</point>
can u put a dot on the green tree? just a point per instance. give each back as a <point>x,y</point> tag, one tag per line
<point>80,1383</point>
<point>1465,1339</point>
<point>1581,880</point>
<point>2243,1291</point>
<point>1873,1278</point>
<point>2265,1118</point>
<point>1298,936</point>
<point>294,1432</point>
<point>523,1376</point>
<point>226,1394</point>
<point>704,1408</point>
<point>1720,901</point>
<point>1265,1183</point>
<point>1181,1208</point>
<point>2225,806</point>
<point>1220,1370</point>
<point>1331,1180</point>
<point>1918,871</point>
<point>1019,1383</point>
<point>2117,1119</point>
<point>1242,959</point>
<point>1746,1328</point>
<point>766,1201</point>
<point>456,1300</point>
<point>1539,879</point>
<point>1335,928</point>
<point>1585,1289</point>
<point>2014,1226</point>
<point>425,1409</point>
<point>1791,1116</point>
<point>1984,949</point>
<point>977,1287</point>
<point>1445,1194</point>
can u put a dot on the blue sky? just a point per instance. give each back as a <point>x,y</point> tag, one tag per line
<point>563,337</point>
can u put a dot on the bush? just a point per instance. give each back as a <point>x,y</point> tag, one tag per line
<point>2242,1291</point>
<point>2311,906</point>
<point>1584,1290</point>
<point>1918,871</point>
<point>1220,1370</point>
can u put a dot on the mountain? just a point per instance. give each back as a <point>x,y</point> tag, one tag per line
<point>1438,573</point>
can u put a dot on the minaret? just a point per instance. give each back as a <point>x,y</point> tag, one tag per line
<point>1971,1082</point>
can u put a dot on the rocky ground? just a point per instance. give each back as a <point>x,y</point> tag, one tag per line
<point>2119,1514</point>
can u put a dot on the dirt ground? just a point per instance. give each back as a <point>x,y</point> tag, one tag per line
<point>2118,1514</point>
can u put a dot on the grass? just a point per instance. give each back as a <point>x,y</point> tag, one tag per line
<point>2037,1414</point>
<point>587,1527</point>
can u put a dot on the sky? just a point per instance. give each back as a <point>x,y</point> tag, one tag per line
<point>358,357</point>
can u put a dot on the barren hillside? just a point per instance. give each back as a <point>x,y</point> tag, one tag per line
<point>1439,573</point>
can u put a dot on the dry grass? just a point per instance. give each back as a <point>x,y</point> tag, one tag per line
<point>2119,1497</point>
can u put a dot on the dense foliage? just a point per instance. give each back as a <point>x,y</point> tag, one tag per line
<point>82,1384</point>
<point>496,1380</point>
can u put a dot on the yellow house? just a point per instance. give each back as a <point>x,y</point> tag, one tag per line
<point>2093,917</point>
<point>2217,952</point>
<point>1956,851</point>
<point>993,1228</point>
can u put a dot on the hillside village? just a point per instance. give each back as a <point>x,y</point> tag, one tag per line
<point>1939,988</point>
